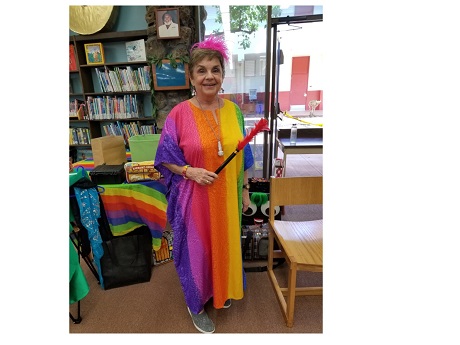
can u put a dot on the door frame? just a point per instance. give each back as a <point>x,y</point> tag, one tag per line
<point>271,109</point>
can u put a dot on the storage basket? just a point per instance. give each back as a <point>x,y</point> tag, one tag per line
<point>143,147</point>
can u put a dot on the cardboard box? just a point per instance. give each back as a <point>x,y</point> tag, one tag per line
<point>108,150</point>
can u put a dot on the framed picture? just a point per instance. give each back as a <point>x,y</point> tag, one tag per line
<point>167,77</point>
<point>94,54</point>
<point>167,21</point>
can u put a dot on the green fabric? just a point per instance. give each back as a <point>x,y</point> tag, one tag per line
<point>76,175</point>
<point>78,285</point>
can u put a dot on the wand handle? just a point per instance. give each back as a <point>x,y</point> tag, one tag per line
<point>229,158</point>
<point>261,125</point>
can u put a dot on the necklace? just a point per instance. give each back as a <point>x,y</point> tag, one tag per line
<point>220,152</point>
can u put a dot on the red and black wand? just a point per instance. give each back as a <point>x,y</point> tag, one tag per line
<point>261,125</point>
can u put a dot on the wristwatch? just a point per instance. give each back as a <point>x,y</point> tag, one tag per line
<point>246,186</point>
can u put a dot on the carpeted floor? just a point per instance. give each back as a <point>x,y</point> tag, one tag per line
<point>158,306</point>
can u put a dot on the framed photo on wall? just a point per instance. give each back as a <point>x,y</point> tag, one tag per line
<point>94,54</point>
<point>166,77</point>
<point>167,22</point>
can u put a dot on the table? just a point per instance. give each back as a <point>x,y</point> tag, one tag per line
<point>127,207</point>
<point>302,146</point>
<point>130,205</point>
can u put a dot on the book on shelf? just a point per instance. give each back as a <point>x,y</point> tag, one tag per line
<point>146,76</point>
<point>135,50</point>
<point>79,136</point>
<point>72,60</point>
<point>81,115</point>
<point>94,53</point>
<point>72,139</point>
<point>109,108</point>
<point>131,79</point>
<point>138,80</point>
<point>77,109</point>
<point>103,82</point>
<point>115,82</point>
<point>83,154</point>
<point>120,76</point>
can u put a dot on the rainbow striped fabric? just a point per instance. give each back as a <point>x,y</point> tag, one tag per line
<point>131,205</point>
<point>88,164</point>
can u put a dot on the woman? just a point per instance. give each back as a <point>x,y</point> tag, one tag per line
<point>204,209</point>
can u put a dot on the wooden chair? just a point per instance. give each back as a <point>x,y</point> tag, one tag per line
<point>300,243</point>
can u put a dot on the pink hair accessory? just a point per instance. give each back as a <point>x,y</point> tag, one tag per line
<point>213,43</point>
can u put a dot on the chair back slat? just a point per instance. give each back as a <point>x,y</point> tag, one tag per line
<point>300,190</point>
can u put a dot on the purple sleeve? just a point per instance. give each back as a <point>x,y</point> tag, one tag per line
<point>168,151</point>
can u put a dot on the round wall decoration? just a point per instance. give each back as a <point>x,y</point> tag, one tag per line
<point>87,20</point>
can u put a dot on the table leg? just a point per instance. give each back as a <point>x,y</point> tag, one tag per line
<point>284,164</point>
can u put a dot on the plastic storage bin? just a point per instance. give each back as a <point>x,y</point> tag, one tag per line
<point>143,147</point>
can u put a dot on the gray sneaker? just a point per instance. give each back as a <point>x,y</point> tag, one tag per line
<point>202,322</point>
<point>228,303</point>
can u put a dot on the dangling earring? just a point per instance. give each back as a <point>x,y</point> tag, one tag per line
<point>193,91</point>
<point>221,90</point>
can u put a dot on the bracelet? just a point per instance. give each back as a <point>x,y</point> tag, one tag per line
<point>184,171</point>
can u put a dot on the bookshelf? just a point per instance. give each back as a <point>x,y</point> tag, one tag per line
<point>115,93</point>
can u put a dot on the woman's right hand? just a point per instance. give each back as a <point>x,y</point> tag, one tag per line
<point>201,176</point>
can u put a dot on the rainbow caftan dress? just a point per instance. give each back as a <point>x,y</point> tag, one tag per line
<point>206,220</point>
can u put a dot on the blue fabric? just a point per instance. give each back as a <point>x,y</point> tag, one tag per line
<point>248,158</point>
<point>88,202</point>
